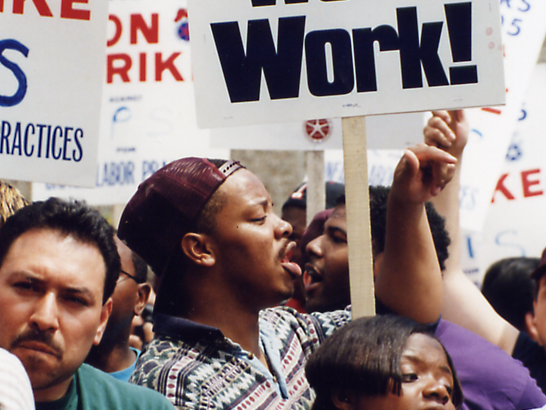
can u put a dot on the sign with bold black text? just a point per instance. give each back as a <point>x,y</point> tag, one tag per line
<point>259,61</point>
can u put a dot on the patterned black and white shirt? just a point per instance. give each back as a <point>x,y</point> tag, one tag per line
<point>197,367</point>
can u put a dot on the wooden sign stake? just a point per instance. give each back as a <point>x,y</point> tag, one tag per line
<point>358,216</point>
<point>316,193</point>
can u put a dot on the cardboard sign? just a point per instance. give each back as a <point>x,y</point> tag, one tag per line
<point>51,74</point>
<point>523,32</point>
<point>260,61</point>
<point>515,224</point>
<point>148,109</point>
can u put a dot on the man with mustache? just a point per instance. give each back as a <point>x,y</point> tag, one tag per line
<point>58,267</point>
<point>208,229</point>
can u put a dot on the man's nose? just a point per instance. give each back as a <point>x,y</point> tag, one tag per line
<point>314,248</point>
<point>283,229</point>
<point>45,315</point>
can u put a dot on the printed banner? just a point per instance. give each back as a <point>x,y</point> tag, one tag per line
<point>262,61</point>
<point>148,109</point>
<point>523,31</point>
<point>515,224</point>
<point>51,75</point>
<point>396,131</point>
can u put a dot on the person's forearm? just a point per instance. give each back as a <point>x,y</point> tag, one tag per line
<point>409,281</point>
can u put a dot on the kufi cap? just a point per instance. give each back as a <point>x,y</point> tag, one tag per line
<point>166,206</point>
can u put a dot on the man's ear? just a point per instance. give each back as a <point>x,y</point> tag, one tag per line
<point>143,293</point>
<point>104,315</point>
<point>199,248</point>
<point>531,327</point>
<point>344,399</point>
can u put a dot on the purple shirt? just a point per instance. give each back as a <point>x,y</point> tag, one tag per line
<point>491,379</point>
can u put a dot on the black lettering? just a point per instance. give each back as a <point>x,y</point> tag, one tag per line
<point>317,70</point>
<point>48,146</point>
<point>9,101</point>
<point>281,67</point>
<point>459,26</point>
<point>67,139</point>
<point>6,131</point>
<point>53,143</point>
<point>29,127</point>
<point>414,54</point>
<point>78,154</point>
<point>17,140</point>
<point>363,39</point>
<point>40,135</point>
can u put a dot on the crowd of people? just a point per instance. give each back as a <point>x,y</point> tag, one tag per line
<point>254,312</point>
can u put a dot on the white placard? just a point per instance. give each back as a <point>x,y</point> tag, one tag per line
<point>51,72</point>
<point>524,28</point>
<point>395,131</point>
<point>263,61</point>
<point>515,224</point>
<point>148,109</point>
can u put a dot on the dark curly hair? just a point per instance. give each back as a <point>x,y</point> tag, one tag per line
<point>71,218</point>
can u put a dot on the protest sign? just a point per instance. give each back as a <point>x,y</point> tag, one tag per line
<point>395,131</point>
<point>51,72</point>
<point>148,114</point>
<point>319,59</point>
<point>515,223</point>
<point>274,61</point>
<point>523,33</point>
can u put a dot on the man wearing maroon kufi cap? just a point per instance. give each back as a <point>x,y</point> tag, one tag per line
<point>208,229</point>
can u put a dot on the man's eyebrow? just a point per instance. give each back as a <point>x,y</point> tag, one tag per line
<point>77,290</point>
<point>22,275</point>
<point>264,202</point>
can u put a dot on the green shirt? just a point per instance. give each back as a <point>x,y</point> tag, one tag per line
<point>92,389</point>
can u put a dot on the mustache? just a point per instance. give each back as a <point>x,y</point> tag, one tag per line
<point>44,338</point>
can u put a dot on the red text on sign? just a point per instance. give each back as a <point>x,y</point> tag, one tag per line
<point>529,185</point>
<point>67,8</point>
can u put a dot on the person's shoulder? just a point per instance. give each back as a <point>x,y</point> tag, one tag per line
<point>471,351</point>
<point>289,313</point>
<point>490,377</point>
<point>15,389</point>
<point>106,392</point>
<point>317,325</point>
